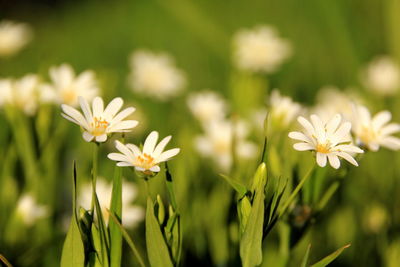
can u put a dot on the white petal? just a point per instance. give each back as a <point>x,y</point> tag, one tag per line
<point>122,115</point>
<point>150,143</point>
<point>97,106</point>
<point>140,169</point>
<point>160,147</point>
<point>75,114</point>
<point>87,136</point>
<point>347,157</point>
<point>333,124</point>
<point>300,136</point>
<point>155,168</point>
<point>364,115</point>
<point>303,146</point>
<point>136,151</point>
<point>113,107</point>
<point>101,138</point>
<point>307,125</point>
<point>391,142</point>
<point>118,157</point>
<point>349,148</point>
<point>318,127</point>
<point>124,164</point>
<point>122,125</point>
<point>123,149</point>
<point>334,161</point>
<point>381,119</point>
<point>86,109</point>
<point>341,133</point>
<point>321,159</point>
<point>390,129</point>
<point>168,154</point>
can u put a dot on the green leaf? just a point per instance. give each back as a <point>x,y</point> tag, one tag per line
<point>104,238</point>
<point>236,185</point>
<point>116,208</point>
<point>157,249</point>
<point>251,242</point>
<point>305,258</point>
<point>331,257</point>
<point>73,253</point>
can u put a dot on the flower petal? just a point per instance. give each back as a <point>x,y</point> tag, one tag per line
<point>303,146</point>
<point>75,114</point>
<point>150,143</point>
<point>300,136</point>
<point>307,125</point>
<point>123,149</point>
<point>341,134</point>
<point>347,157</point>
<point>97,107</point>
<point>122,115</point>
<point>118,157</point>
<point>160,147</point>
<point>334,161</point>
<point>87,136</point>
<point>167,155</point>
<point>112,108</point>
<point>321,159</point>
<point>86,109</point>
<point>136,151</point>
<point>390,129</point>
<point>381,119</point>
<point>101,138</point>
<point>349,148</point>
<point>155,168</point>
<point>318,127</point>
<point>124,164</point>
<point>333,124</point>
<point>122,125</point>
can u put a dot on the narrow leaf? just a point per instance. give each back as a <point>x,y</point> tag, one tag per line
<point>157,249</point>
<point>331,257</point>
<point>236,185</point>
<point>5,261</point>
<point>304,262</point>
<point>116,208</point>
<point>73,253</point>
<point>251,242</point>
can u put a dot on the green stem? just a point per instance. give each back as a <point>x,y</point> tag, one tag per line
<point>296,191</point>
<point>94,173</point>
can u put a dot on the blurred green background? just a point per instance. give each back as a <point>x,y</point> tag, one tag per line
<point>332,40</point>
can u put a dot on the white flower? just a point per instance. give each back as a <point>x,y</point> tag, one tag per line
<point>329,140</point>
<point>101,122</point>
<point>216,143</point>
<point>382,76</point>
<point>13,37</point>
<point>29,210</point>
<point>260,49</point>
<point>21,94</point>
<point>131,214</point>
<point>145,161</point>
<point>331,101</point>
<point>67,86</point>
<point>376,131</point>
<point>207,106</point>
<point>283,108</point>
<point>155,75</point>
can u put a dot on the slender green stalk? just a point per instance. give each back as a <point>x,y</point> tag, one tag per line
<point>128,239</point>
<point>94,173</point>
<point>296,191</point>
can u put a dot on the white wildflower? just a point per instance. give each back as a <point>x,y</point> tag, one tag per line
<point>131,214</point>
<point>101,122</point>
<point>260,49</point>
<point>207,106</point>
<point>66,86</point>
<point>283,109</point>
<point>376,131</point>
<point>329,140</point>
<point>145,161</point>
<point>216,143</point>
<point>21,94</point>
<point>29,210</point>
<point>155,75</point>
<point>382,76</point>
<point>13,37</point>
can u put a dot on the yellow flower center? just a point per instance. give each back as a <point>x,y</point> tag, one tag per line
<point>69,97</point>
<point>99,126</point>
<point>367,135</point>
<point>146,161</point>
<point>323,148</point>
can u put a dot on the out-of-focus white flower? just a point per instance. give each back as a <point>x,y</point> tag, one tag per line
<point>216,143</point>
<point>207,106</point>
<point>329,140</point>
<point>155,75</point>
<point>13,37</point>
<point>131,214</point>
<point>283,109</point>
<point>29,210</point>
<point>375,218</point>
<point>382,76</point>
<point>67,86</point>
<point>21,94</point>
<point>260,49</point>
<point>101,122</point>
<point>331,101</point>
<point>376,131</point>
<point>145,161</point>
